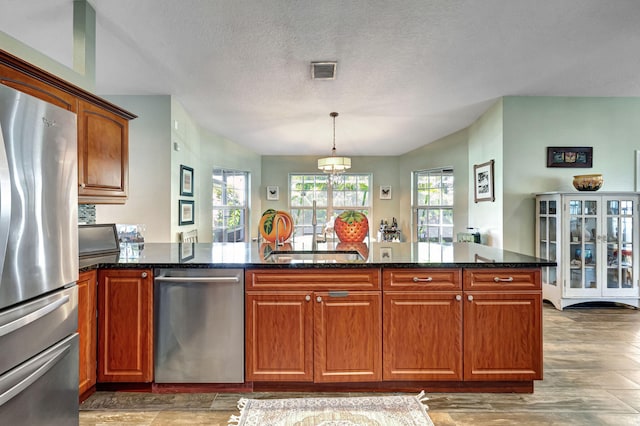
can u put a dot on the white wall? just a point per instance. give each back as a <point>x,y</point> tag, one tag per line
<point>385,171</point>
<point>218,152</point>
<point>485,144</point>
<point>150,190</point>
<point>450,151</point>
<point>610,125</point>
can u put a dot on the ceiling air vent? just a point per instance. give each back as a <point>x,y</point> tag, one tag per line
<point>323,70</point>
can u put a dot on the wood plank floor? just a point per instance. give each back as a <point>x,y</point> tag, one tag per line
<point>591,377</point>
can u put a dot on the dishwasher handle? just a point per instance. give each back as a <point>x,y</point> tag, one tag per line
<point>233,279</point>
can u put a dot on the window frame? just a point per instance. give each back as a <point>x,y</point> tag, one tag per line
<point>326,207</point>
<point>244,206</point>
<point>432,209</point>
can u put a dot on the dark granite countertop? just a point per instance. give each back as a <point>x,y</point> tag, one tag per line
<point>247,255</point>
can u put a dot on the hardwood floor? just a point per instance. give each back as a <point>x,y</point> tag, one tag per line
<point>591,377</point>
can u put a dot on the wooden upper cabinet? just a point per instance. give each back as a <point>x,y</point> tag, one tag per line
<point>103,155</point>
<point>34,87</point>
<point>103,129</point>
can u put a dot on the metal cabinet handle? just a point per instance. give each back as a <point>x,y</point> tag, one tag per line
<point>422,280</point>
<point>144,275</point>
<point>458,297</point>
<point>502,280</point>
<point>319,299</point>
<point>470,298</point>
<point>307,298</point>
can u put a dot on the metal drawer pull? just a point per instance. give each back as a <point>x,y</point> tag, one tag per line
<point>502,280</point>
<point>199,279</point>
<point>334,293</point>
<point>422,280</point>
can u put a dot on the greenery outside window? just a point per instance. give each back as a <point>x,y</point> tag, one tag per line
<point>433,205</point>
<point>347,192</point>
<point>230,205</point>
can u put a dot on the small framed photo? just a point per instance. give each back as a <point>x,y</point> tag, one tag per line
<point>186,181</point>
<point>483,182</point>
<point>386,254</point>
<point>570,156</point>
<point>385,192</point>
<point>186,214</point>
<point>186,251</point>
<point>273,193</point>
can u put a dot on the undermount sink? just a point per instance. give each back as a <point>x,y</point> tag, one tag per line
<point>325,256</point>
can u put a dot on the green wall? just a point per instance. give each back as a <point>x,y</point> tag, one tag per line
<point>610,125</point>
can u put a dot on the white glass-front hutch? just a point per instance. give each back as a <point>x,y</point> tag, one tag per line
<point>592,237</point>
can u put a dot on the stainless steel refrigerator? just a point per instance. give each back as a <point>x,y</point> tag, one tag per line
<point>38,262</point>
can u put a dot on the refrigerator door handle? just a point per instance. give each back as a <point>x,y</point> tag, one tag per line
<point>47,364</point>
<point>5,202</point>
<point>31,317</point>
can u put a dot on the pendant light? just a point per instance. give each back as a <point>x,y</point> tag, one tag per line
<point>334,165</point>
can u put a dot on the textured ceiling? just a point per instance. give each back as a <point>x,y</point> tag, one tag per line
<point>409,72</point>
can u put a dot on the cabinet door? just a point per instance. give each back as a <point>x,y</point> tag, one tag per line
<point>422,336</point>
<point>620,224</point>
<point>584,258</point>
<point>502,336</point>
<point>34,87</point>
<point>125,322</point>
<point>279,336</point>
<point>103,155</point>
<point>87,329</point>
<point>347,336</point>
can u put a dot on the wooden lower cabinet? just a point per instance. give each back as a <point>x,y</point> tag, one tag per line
<point>87,329</point>
<point>279,336</point>
<point>502,336</point>
<point>422,336</point>
<point>304,335</point>
<point>125,325</point>
<point>347,336</point>
<point>433,332</point>
<point>502,324</point>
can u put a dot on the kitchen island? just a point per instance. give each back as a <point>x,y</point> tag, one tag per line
<point>400,316</point>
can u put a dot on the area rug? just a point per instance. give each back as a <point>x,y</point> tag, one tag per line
<point>394,410</point>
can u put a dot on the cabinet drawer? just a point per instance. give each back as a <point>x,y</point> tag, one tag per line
<point>313,279</point>
<point>422,279</point>
<point>502,279</point>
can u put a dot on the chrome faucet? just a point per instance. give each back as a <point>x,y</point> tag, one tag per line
<point>279,219</point>
<point>314,223</point>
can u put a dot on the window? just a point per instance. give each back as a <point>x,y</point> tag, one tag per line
<point>230,205</point>
<point>433,205</point>
<point>347,192</point>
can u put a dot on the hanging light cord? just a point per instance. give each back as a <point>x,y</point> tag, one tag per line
<point>333,151</point>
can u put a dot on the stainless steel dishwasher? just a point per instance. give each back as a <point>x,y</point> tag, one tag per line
<point>199,325</point>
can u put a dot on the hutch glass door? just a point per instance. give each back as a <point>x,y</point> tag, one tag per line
<point>583,253</point>
<point>618,237</point>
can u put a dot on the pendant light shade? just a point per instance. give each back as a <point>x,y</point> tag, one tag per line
<point>334,165</point>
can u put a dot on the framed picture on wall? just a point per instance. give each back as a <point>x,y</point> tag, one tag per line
<point>273,193</point>
<point>483,182</point>
<point>186,181</point>
<point>570,156</point>
<point>385,192</point>
<point>186,214</point>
